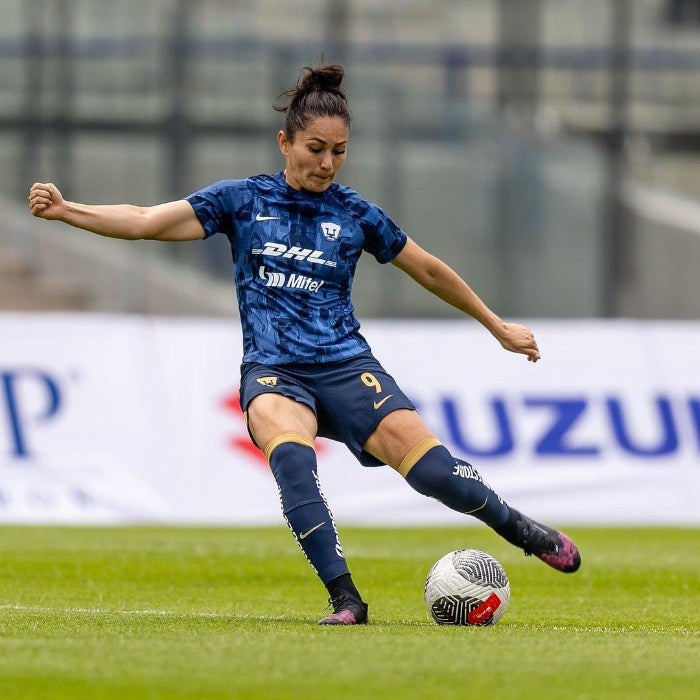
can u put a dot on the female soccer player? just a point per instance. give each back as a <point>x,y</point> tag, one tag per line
<point>296,237</point>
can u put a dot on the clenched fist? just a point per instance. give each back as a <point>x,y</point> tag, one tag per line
<point>45,201</point>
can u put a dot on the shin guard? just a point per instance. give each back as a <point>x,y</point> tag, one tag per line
<point>431,470</point>
<point>292,460</point>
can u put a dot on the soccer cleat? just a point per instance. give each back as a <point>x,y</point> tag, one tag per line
<point>347,611</point>
<point>551,546</point>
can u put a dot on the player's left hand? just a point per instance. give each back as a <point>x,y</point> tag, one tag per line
<point>518,338</point>
<point>45,201</point>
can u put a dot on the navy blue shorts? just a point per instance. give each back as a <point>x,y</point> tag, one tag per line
<point>349,397</point>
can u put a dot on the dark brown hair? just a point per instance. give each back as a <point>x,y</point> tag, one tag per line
<point>317,94</point>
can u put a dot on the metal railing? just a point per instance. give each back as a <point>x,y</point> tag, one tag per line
<point>145,101</point>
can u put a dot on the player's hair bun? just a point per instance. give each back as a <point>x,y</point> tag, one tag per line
<point>327,78</point>
<point>318,92</point>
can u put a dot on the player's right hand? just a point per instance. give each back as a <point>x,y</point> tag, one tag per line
<point>45,200</point>
<point>518,338</point>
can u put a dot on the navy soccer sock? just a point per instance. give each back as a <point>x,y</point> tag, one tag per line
<point>292,459</point>
<point>431,470</point>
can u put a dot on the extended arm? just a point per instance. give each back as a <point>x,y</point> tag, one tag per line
<point>173,221</point>
<point>440,279</point>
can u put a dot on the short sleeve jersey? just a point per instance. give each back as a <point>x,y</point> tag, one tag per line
<point>294,259</point>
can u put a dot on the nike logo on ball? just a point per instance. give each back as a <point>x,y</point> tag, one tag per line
<point>260,217</point>
<point>304,535</point>
<point>379,404</point>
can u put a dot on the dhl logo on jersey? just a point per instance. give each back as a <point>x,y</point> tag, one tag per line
<point>294,253</point>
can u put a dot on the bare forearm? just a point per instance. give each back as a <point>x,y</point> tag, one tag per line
<point>450,287</point>
<point>442,281</point>
<point>171,221</point>
<point>460,295</point>
<point>112,220</point>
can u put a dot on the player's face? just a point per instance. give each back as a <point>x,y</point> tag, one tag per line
<point>316,154</point>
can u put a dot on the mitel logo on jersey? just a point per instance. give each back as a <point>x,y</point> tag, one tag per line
<point>294,281</point>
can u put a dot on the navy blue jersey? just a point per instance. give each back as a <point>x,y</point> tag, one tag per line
<point>294,258</point>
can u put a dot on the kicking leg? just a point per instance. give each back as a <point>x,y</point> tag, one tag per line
<point>431,470</point>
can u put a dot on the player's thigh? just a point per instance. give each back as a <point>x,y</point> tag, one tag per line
<point>269,415</point>
<point>396,435</point>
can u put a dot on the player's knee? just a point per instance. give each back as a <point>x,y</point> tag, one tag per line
<point>272,416</point>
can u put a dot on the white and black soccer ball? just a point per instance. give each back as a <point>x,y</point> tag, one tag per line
<point>467,587</point>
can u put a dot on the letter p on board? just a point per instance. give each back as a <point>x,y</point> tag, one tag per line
<point>29,398</point>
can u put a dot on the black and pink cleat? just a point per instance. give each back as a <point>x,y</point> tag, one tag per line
<point>551,546</point>
<point>566,557</point>
<point>347,611</point>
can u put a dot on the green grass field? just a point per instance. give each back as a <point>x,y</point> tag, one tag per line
<point>231,613</point>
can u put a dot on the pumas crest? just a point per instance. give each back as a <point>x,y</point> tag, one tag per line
<point>330,230</point>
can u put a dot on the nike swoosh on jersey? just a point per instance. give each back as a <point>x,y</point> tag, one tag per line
<point>379,404</point>
<point>260,217</point>
<point>304,535</point>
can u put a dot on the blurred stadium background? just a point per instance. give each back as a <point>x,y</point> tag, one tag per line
<point>549,149</point>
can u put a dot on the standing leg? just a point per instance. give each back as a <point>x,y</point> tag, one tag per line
<point>292,459</point>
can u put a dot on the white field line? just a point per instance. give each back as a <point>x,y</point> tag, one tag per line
<point>111,611</point>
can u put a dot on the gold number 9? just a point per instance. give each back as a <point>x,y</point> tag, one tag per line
<point>368,379</point>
